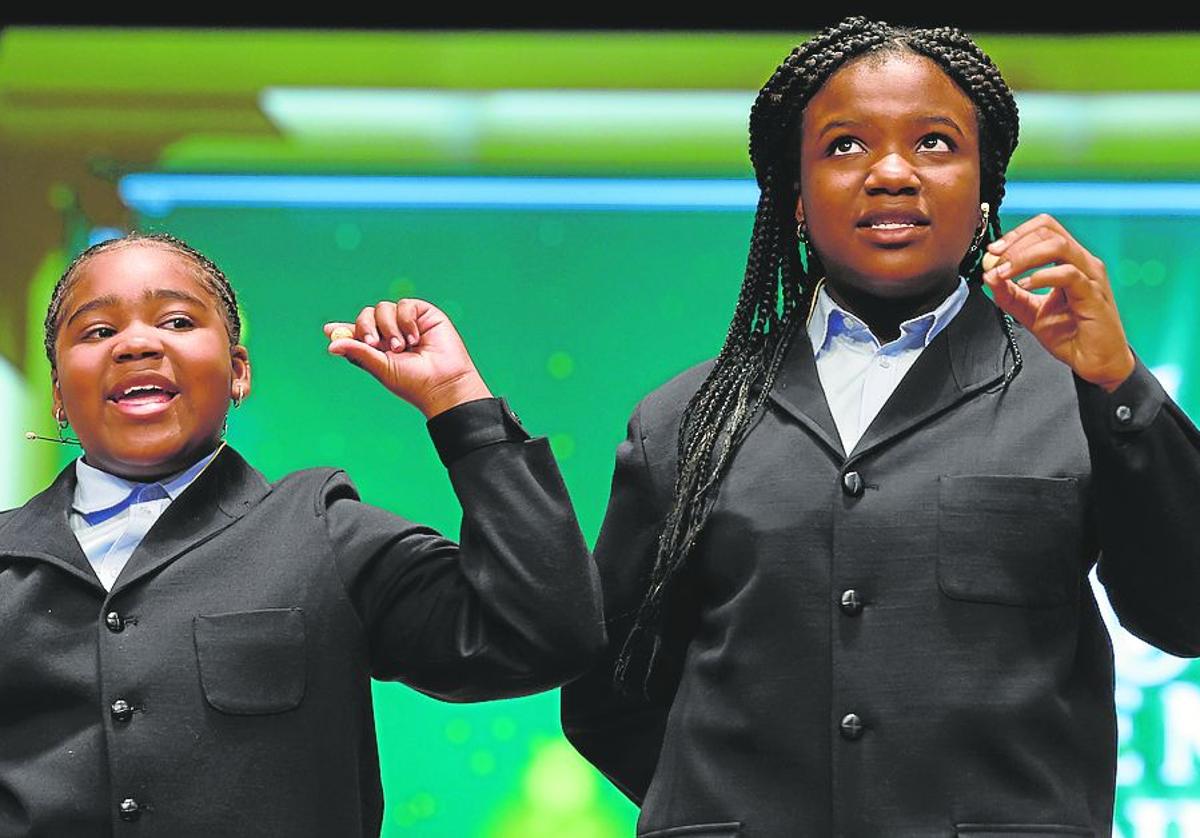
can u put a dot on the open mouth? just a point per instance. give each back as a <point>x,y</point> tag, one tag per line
<point>893,219</point>
<point>143,394</point>
<point>893,233</point>
<point>894,225</point>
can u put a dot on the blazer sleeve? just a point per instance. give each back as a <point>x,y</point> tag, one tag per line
<point>621,734</point>
<point>513,608</point>
<point>1146,476</point>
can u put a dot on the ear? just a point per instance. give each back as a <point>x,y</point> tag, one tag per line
<point>239,386</point>
<point>56,396</point>
<point>800,209</point>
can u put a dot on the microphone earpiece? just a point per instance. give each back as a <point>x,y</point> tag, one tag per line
<point>32,437</point>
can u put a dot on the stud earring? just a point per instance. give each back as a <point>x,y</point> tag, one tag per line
<point>239,395</point>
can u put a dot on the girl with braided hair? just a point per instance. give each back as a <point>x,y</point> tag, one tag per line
<point>846,562</point>
<point>188,649</point>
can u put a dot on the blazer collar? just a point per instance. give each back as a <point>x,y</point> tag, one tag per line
<point>966,357</point>
<point>224,492</point>
<point>39,530</point>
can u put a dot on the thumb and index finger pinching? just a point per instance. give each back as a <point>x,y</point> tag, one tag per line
<point>338,331</point>
<point>344,343</point>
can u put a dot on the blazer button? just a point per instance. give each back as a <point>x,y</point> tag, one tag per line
<point>114,621</point>
<point>1124,414</point>
<point>851,727</point>
<point>130,810</point>
<point>852,604</point>
<point>852,484</point>
<point>121,711</point>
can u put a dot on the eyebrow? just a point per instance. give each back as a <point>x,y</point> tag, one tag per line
<point>108,300</point>
<point>943,120</point>
<point>850,123</point>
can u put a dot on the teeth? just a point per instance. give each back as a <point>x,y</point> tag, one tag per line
<point>891,225</point>
<point>142,388</point>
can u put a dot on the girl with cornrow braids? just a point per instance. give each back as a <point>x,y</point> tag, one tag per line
<point>188,648</point>
<point>845,563</point>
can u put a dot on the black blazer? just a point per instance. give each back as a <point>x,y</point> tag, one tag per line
<point>901,641</point>
<point>242,635</point>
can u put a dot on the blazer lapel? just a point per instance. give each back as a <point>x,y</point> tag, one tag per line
<point>40,530</point>
<point>967,356</point>
<point>222,494</point>
<point>799,392</point>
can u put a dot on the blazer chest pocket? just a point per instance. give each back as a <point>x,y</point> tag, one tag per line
<point>1019,830</point>
<point>699,830</point>
<point>1009,540</point>
<point>252,662</point>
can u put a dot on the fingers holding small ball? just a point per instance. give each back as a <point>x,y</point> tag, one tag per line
<point>387,326</point>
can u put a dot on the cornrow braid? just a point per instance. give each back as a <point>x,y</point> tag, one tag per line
<point>780,280</point>
<point>212,277</point>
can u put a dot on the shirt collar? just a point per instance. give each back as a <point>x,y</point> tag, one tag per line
<point>830,321</point>
<point>98,491</point>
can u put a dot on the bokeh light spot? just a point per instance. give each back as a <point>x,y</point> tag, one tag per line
<point>458,731</point>
<point>1154,273</point>
<point>1128,272</point>
<point>401,288</point>
<point>563,446</point>
<point>483,762</point>
<point>560,365</point>
<point>422,805</point>
<point>559,779</point>
<point>503,728</point>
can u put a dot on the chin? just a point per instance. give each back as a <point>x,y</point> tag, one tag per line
<point>140,459</point>
<point>900,281</point>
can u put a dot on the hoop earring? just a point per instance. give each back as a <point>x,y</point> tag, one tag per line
<point>60,418</point>
<point>802,236</point>
<point>985,211</point>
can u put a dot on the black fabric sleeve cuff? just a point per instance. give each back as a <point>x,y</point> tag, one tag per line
<point>1128,409</point>
<point>471,425</point>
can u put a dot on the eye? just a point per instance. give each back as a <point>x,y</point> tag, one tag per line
<point>936,142</point>
<point>99,333</point>
<point>178,322</point>
<point>844,145</point>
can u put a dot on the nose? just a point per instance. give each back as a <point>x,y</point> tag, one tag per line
<point>892,174</point>
<point>137,342</point>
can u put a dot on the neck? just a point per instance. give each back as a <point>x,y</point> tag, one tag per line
<point>156,473</point>
<point>883,315</point>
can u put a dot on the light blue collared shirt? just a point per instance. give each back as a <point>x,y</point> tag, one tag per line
<point>858,373</point>
<point>110,515</point>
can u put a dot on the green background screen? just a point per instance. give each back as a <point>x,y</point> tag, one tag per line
<point>574,302</point>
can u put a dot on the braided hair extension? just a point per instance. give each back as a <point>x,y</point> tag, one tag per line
<point>209,274</point>
<point>780,281</point>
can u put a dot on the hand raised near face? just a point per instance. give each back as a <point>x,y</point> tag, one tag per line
<point>1077,321</point>
<point>412,349</point>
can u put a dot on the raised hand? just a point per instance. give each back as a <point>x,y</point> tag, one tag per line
<point>1077,321</point>
<point>412,349</point>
